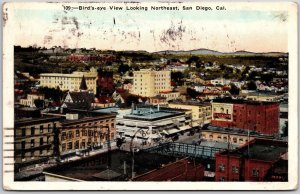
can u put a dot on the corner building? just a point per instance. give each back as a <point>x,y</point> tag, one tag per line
<point>262,117</point>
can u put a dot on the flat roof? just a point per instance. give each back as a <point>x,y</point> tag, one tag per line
<point>233,131</point>
<point>93,167</point>
<point>32,121</point>
<point>261,149</point>
<point>152,113</point>
<point>192,103</point>
<point>241,101</point>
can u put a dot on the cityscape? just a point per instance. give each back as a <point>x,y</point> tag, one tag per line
<point>104,115</point>
<point>150,96</point>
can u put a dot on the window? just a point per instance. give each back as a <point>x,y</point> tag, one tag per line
<point>48,139</point>
<point>63,135</point>
<point>63,147</point>
<point>77,133</point>
<point>241,140</point>
<point>234,140</point>
<point>41,141</point>
<point>41,128</point>
<point>255,172</point>
<point>49,128</point>
<point>77,145</point>
<point>32,130</point>
<point>70,145</point>
<point>221,168</point>
<point>235,170</point>
<point>23,145</point>
<point>23,132</point>
<point>32,143</point>
<point>225,139</point>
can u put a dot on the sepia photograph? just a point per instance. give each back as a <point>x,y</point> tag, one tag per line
<point>150,96</point>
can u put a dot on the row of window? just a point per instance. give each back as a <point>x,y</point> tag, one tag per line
<point>32,142</point>
<point>32,130</point>
<point>219,138</point>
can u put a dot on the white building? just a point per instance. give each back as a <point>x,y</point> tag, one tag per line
<point>29,101</point>
<point>149,83</point>
<point>69,82</point>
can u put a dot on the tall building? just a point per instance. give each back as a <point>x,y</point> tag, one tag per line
<point>149,83</point>
<point>262,117</point>
<point>69,82</point>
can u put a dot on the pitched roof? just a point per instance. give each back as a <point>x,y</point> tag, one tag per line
<point>83,85</point>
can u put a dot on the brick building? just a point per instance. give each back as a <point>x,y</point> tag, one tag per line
<point>262,117</point>
<point>182,170</point>
<point>250,162</point>
<point>105,83</point>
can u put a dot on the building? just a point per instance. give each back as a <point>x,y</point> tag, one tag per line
<point>78,100</point>
<point>149,83</point>
<point>263,96</point>
<point>262,117</point>
<point>170,95</point>
<point>34,140</point>
<point>105,83</point>
<point>153,123</point>
<point>30,100</point>
<point>82,131</point>
<point>250,162</point>
<point>234,136</point>
<point>181,170</point>
<point>201,112</point>
<point>69,82</point>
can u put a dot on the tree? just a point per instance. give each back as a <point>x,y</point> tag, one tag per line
<point>177,77</point>
<point>192,93</point>
<point>131,99</point>
<point>51,93</point>
<point>234,90</point>
<point>251,85</point>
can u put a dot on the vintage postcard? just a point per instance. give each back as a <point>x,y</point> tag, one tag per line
<point>150,95</point>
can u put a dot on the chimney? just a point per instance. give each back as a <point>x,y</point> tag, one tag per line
<point>158,107</point>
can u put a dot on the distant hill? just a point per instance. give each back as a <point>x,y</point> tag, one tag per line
<point>212,52</point>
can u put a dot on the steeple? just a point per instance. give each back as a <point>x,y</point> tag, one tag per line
<point>83,85</point>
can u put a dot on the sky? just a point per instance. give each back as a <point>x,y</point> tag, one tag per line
<point>237,28</point>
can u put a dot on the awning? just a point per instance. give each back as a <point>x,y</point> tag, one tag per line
<point>183,128</point>
<point>181,119</point>
<point>172,131</point>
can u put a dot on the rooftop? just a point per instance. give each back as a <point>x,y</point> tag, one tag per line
<point>31,121</point>
<point>152,113</point>
<point>233,131</point>
<point>190,102</point>
<point>105,166</point>
<point>261,149</point>
<point>241,101</point>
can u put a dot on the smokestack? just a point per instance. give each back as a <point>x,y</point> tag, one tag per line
<point>132,107</point>
<point>158,107</point>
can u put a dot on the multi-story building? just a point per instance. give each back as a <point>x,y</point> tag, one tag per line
<point>234,136</point>
<point>149,83</point>
<point>82,130</point>
<point>69,82</point>
<point>153,123</point>
<point>105,83</point>
<point>250,162</point>
<point>34,139</point>
<point>29,101</point>
<point>201,112</point>
<point>262,117</point>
